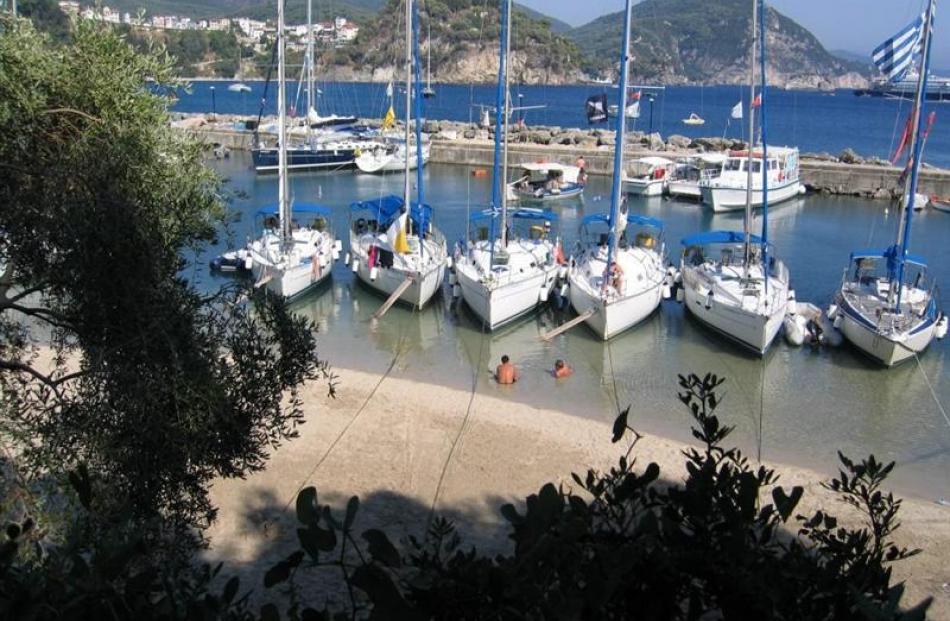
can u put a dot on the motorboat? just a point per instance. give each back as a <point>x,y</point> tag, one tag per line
<point>648,176</point>
<point>694,119</point>
<point>727,191</point>
<point>689,171</point>
<point>389,157</point>
<point>546,181</point>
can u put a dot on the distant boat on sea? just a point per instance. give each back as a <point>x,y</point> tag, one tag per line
<point>938,89</point>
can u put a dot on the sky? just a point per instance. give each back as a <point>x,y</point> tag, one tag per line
<point>853,25</point>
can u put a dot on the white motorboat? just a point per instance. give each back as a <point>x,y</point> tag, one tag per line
<point>689,171</point>
<point>743,291</point>
<point>648,176</point>
<point>389,157</point>
<point>886,307</point>
<point>694,119</point>
<point>615,284</point>
<point>504,274</point>
<point>727,191</point>
<point>921,201</point>
<point>390,245</point>
<point>395,249</point>
<point>290,258</point>
<point>546,181</point>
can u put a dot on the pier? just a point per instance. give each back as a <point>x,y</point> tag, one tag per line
<point>466,145</point>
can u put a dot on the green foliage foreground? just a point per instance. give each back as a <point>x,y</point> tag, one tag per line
<point>624,545</point>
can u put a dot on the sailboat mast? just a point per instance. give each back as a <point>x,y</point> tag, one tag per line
<point>903,240</point>
<point>429,51</point>
<point>504,159</point>
<point>619,142</point>
<point>283,199</point>
<point>310,102</point>
<point>498,183</point>
<point>763,25</point>
<point>408,132</point>
<point>417,113</point>
<point>747,224</point>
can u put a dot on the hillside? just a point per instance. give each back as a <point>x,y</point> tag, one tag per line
<point>464,46</point>
<point>679,41</point>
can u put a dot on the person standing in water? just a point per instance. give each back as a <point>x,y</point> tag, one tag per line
<point>506,373</point>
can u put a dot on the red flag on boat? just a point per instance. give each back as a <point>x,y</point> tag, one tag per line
<point>636,96</point>
<point>757,102</point>
<point>905,136</point>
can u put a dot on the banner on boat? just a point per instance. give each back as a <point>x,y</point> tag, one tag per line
<point>597,108</point>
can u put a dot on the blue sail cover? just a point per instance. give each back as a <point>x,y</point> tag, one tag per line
<point>521,214</point>
<point>387,208</point>
<point>308,208</point>
<point>719,237</point>
<point>634,219</point>
<point>890,253</point>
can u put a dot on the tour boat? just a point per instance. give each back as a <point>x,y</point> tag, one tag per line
<point>546,181</point>
<point>886,307</point>
<point>290,257</point>
<point>780,177</point>
<point>394,247</point>
<point>649,176</point>
<point>502,273</point>
<point>689,171</point>
<point>742,291</point>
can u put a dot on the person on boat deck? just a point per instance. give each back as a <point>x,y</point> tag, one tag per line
<point>616,277</point>
<point>506,373</point>
<point>561,369</point>
<point>582,173</point>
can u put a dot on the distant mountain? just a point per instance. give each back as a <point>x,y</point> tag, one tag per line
<point>681,41</point>
<point>557,26</point>
<point>464,40</point>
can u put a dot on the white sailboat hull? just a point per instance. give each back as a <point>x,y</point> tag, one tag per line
<point>722,199</point>
<point>887,345</point>
<point>502,304</point>
<point>887,351</point>
<point>612,317</point>
<point>422,289</point>
<point>292,282</point>
<point>371,162</point>
<point>290,274</point>
<point>751,330</point>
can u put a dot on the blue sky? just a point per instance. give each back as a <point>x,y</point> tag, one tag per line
<point>854,25</point>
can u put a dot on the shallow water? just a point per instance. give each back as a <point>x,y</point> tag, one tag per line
<point>795,405</point>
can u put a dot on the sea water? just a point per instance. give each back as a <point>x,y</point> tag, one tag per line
<point>796,405</point>
<point>811,120</point>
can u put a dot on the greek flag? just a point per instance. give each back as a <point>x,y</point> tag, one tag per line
<point>894,56</point>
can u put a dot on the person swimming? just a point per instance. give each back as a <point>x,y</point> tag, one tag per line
<point>561,369</point>
<point>506,373</point>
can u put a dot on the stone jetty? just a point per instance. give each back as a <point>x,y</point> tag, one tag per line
<point>471,145</point>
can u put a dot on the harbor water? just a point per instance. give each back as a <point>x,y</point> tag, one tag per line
<point>795,405</point>
<point>814,121</point>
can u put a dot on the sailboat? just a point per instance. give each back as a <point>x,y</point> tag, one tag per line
<point>394,246</point>
<point>886,307</point>
<point>315,153</point>
<point>290,257</point>
<point>428,92</point>
<point>613,283</point>
<point>504,276</point>
<point>390,154</point>
<point>741,292</point>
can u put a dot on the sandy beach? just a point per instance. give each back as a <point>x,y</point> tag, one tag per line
<point>397,445</point>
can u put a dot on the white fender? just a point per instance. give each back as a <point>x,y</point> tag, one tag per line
<point>324,260</point>
<point>680,294</point>
<point>337,245</point>
<point>336,254</point>
<point>562,272</point>
<point>448,262</point>
<point>941,330</point>
<point>456,290</point>
<point>667,292</point>
<point>347,258</point>
<point>373,272</point>
<point>356,265</point>
<point>564,290</point>
<point>833,311</point>
<point>248,263</point>
<point>453,278</point>
<point>543,294</point>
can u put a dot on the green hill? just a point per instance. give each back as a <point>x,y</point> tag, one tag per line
<point>701,41</point>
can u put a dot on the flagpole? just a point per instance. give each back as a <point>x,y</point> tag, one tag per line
<point>903,240</point>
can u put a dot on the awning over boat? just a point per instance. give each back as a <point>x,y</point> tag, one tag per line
<point>632,218</point>
<point>887,253</point>
<point>307,208</point>
<point>387,208</point>
<point>525,213</point>
<point>718,237</point>
<point>653,160</point>
<point>546,166</point>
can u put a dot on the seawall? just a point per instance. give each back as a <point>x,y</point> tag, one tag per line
<point>819,175</point>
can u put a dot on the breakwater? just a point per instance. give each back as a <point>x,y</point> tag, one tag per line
<point>469,145</point>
